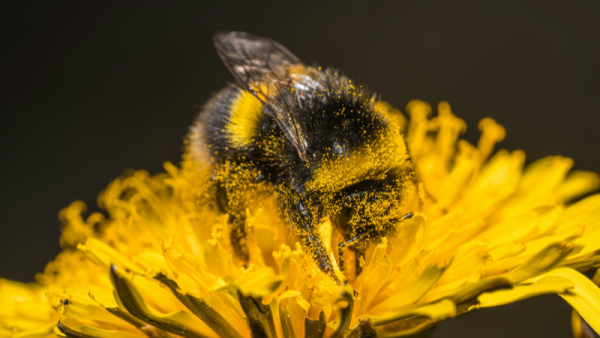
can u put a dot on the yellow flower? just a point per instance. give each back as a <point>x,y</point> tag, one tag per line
<point>485,233</point>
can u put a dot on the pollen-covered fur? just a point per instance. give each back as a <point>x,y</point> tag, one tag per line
<point>325,145</point>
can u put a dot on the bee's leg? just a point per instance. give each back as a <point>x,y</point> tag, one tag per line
<point>318,252</point>
<point>359,253</point>
<point>222,202</point>
<point>341,247</point>
<point>237,224</point>
<point>238,237</point>
<point>295,211</point>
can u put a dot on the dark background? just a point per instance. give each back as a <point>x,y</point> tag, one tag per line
<point>90,89</point>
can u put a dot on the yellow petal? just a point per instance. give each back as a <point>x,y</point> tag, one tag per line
<point>581,329</point>
<point>183,262</point>
<point>414,292</point>
<point>577,184</point>
<point>259,316</point>
<point>43,331</point>
<point>258,283</point>
<point>450,128</point>
<point>585,212</point>
<point>218,260</point>
<point>590,241</point>
<point>104,256</point>
<point>25,301</point>
<point>412,270</point>
<point>550,284</point>
<point>321,302</point>
<point>497,180</point>
<point>507,250</point>
<point>471,262</point>
<point>90,331</point>
<point>153,259</point>
<point>77,304</point>
<point>472,290</point>
<point>296,295</point>
<point>585,296</point>
<point>254,251</point>
<point>215,310</point>
<point>463,172</point>
<point>417,131</point>
<point>181,323</point>
<point>436,311</point>
<point>519,229</point>
<point>546,259</point>
<point>287,326</point>
<point>545,176</point>
<point>491,133</point>
<point>76,230</point>
<point>533,247</point>
<point>374,276</point>
<point>345,305</point>
<point>315,327</point>
<point>155,294</point>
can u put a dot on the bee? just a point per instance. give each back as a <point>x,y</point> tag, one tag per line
<point>323,145</point>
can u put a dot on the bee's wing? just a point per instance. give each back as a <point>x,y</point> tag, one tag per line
<point>263,66</point>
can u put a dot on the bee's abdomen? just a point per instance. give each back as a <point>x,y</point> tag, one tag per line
<point>226,127</point>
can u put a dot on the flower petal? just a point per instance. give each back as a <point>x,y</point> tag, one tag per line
<point>465,298</point>
<point>147,329</point>
<point>259,317</point>
<point>545,285</point>
<point>86,331</point>
<point>201,308</point>
<point>103,255</point>
<point>436,311</point>
<point>287,328</point>
<point>314,328</point>
<point>577,184</point>
<point>375,274</point>
<point>258,283</point>
<point>585,297</point>
<point>415,291</point>
<point>77,304</point>
<point>8,330</point>
<point>585,212</point>
<point>407,240</point>
<point>581,329</point>
<point>548,258</point>
<point>181,261</point>
<point>346,305</point>
<point>180,322</point>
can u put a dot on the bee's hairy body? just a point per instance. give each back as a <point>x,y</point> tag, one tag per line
<point>319,142</point>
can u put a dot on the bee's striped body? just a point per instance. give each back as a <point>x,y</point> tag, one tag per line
<point>231,127</point>
<point>317,139</point>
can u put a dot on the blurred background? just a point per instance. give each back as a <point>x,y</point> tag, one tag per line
<point>91,89</point>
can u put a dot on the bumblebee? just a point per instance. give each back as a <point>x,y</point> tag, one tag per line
<point>323,145</point>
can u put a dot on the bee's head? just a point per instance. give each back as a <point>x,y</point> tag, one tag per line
<point>343,163</point>
<point>371,208</point>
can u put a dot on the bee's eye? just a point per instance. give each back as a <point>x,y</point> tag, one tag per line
<point>342,220</point>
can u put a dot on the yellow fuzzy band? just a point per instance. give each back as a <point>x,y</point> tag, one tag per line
<point>245,112</point>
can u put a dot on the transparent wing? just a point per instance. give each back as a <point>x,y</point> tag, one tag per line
<point>275,76</point>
